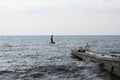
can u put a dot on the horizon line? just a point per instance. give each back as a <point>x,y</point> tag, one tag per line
<point>60,35</point>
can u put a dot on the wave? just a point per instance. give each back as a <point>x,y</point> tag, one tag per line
<point>4,72</point>
<point>7,45</point>
<point>59,72</point>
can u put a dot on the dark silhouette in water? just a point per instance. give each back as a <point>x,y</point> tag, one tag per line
<point>51,38</point>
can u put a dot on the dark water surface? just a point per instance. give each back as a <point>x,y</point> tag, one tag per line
<point>33,58</point>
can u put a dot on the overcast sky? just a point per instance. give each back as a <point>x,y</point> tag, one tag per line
<point>60,17</point>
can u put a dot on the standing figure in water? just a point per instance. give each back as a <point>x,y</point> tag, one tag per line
<point>87,47</point>
<point>52,42</point>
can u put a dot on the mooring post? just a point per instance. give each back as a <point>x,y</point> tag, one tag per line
<point>52,42</point>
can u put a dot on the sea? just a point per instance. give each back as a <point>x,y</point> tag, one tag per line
<point>32,57</point>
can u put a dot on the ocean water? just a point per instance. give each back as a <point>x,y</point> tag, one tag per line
<point>33,58</point>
